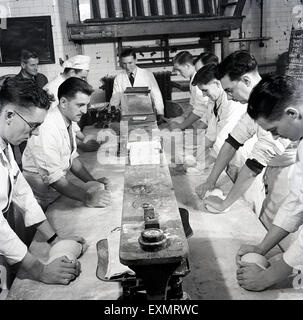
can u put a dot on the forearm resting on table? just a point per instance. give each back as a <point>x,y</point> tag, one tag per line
<point>66,188</point>
<point>245,179</point>
<point>272,238</point>
<point>225,155</point>
<point>79,170</point>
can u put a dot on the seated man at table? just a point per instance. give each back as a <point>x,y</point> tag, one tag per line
<point>78,67</point>
<point>133,76</point>
<point>276,105</point>
<point>23,107</point>
<point>199,116</point>
<point>50,156</point>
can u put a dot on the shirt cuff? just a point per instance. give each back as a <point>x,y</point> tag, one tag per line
<point>294,255</point>
<point>54,177</point>
<point>233,142</point>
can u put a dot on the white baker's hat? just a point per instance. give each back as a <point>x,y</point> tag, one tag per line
<point>77,62</point>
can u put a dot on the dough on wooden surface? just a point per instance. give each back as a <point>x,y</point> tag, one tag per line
<point>256,258</point>
<point>69,248</point>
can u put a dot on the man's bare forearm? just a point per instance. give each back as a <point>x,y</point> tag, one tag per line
<point>225,155</point>
<point>80,171</point>
<point>272,238</point>
<point>245,179</point>
<point>192,118</point>
<point>66,188</point>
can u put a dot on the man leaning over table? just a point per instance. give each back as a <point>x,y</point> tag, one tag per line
<point>23,107</point>
<point>50,156</point>
<point>276,105</point>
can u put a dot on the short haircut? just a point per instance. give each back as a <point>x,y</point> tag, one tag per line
<point>272,95</point>
<point>183,57</point>
<point>23,93</point>
<point>206,58</point>
<point>237,64</point>
<point>70,87</point>
<point>67,70</point>
<point>27,54</point>
<point>205,74</point>
<point>127,53</point>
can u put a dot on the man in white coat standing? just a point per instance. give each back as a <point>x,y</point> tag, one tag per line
<point>133,76</point>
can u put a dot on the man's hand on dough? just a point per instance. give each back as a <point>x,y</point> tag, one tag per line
<point>203,188</point>
<point>98,198</point>
<point>251,277</point>
<point>106,182</point>
<point>244,249</point>
<point>60,271</point>
<point>216,203</point>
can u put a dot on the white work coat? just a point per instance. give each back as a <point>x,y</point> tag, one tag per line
<point>14,188</point>
<point>290,215</point>
<point>143,78</point>
<point>267,150</point>
<point>202,106</point>
<point>52,88</point>
<point>48,157</point>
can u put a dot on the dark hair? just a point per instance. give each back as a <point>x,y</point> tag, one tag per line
<point>237,64</point>
<point>23,93</point>
<point>67,70</point>
<point>183,57</point>
<point>271,96</point>
<point>205,74</point>
<point>127,53</point>
<point>27,54</point>
<point>70,87</point>
<point>206,58</point>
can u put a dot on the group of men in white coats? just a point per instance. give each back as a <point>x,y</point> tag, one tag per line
<point>238,137</point>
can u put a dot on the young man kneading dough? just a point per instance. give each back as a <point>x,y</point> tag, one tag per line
<point>50,156</point>
<point>276,105</point>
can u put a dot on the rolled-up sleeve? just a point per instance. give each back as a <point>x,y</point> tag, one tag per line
<point>200,104</point>
<point>47,156</point>
<point>293,256</point>
<point>11,247</point>
<point>244,130</point>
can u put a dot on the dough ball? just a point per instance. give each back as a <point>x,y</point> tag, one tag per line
<point>69,248</point>
<point>216,192</point>
<point>92,185</point>
<point>256,258</point>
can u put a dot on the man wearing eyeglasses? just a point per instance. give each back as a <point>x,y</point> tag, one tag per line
<point>23,107</point>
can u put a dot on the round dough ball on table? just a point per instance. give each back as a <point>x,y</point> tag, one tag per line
<point>69,248</point>
<point>256,258</point>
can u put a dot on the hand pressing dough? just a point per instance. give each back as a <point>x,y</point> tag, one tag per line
<point>69,248</point>
<point>216,193</point>
<point>91,185</point>
<point>256,258</point>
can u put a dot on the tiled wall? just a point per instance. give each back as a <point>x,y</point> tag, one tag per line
<point>60,12</point>
<point>277,24</point>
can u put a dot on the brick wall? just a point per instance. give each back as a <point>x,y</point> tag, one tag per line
<point>60,12</point>
<point>277,24</point>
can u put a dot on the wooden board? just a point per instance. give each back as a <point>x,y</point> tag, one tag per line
<point>162,197</point>
<point>295,66</point>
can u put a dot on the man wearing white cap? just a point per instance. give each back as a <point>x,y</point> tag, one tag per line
<point>77,66</point>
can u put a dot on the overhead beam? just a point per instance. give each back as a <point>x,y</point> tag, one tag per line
<point>103,31</point>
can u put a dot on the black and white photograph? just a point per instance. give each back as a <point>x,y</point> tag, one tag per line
<point>150,153</point>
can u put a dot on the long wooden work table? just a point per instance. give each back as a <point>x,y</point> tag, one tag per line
<point>211,250</point>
